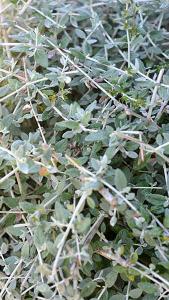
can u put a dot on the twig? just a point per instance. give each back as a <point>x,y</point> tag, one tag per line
<point>38,250</point>
<point>128,40</point>
<point>27,275</point>
<point>12,74</point>
<point>128,290</point>
<point>165,281</point>
<point>153,99</point>
<point>102,292</point>
<point>5,8</point>
<point>28,289</point>
<point>116,102</point>
<point>24,8</point>
<point>22,88</point>
<point>54,108</point>
<point>3,30</point>
<point>158,222</point>
<point>50,201</point>
<point>162,146</point>
<point>66,233</point>
<point>10,278</point>
<point>45,16</point>
<point>8,175</point>
<point>163,105</point>
<point>163,295</point>
<point>147,147</point>
<point>121,261</point>
<point>18,181</point>
<point>89,236</point>
<point>81,71</point>
<point>166,178</point>
<point>141,147</point>
<point>118,193</point>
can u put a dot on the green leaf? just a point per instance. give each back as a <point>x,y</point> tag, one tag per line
<point>135,293</point>
<point>72,172</point>
<point>7,184</point>
<point>27,166</point>
<point>83,225</point>
<point>149,239</point>
<point>25,250</point>
<point>61,146</point>
<point>86,118</point>
<point>39,237</point>
<point>41,58</point>
<point>110,277</point>
<point>118,297</point>
<point>61,214</point>
<point>58,240</point>
<point>77,53</point>
<point>15,231</point>
<point>90,202</point>
<point>4,90</point>
<point>96,136</point>
<point>134,258</point>
<point>80,33</point>
<point>166,221</point>
<point>45,290</point>
<point>8,220</point>
<point>27,207</point>
<point>148,287</point>
<point>20,48</point>
<point>132,154</point>
<point>166,218</point>
<point>155,199</point>
<point>120,180</point>
<point>87,287</point>
<point>14,1</point>
<point>6,156</point>
<point>11,202</point>
<point>87,48</point>
<point>67,124</point>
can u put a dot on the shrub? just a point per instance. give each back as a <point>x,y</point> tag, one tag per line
<point>84,188</point>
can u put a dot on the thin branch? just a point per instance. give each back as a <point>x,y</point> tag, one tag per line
<point>45,16</point>
<point>118,193</point>
<point>89,236</point>
<point>4,33</point>
<point>8,175</point>
<point>153,99</point>
<point>22,88</point>
<point>121,261</point>
<point>10,278</point>
<point>25,6</point>
<point>5,8</point>
<point>66,233</point>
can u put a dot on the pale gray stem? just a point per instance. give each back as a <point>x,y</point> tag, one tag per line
<point>153,99</point>
<point>61,244</point>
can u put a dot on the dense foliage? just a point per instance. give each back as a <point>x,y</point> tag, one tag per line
<point>84,149</point>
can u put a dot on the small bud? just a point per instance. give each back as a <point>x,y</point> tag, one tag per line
<point>27,108</point>
<point>43,171</point>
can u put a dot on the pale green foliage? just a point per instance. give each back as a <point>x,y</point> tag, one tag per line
<point>84,151</point>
